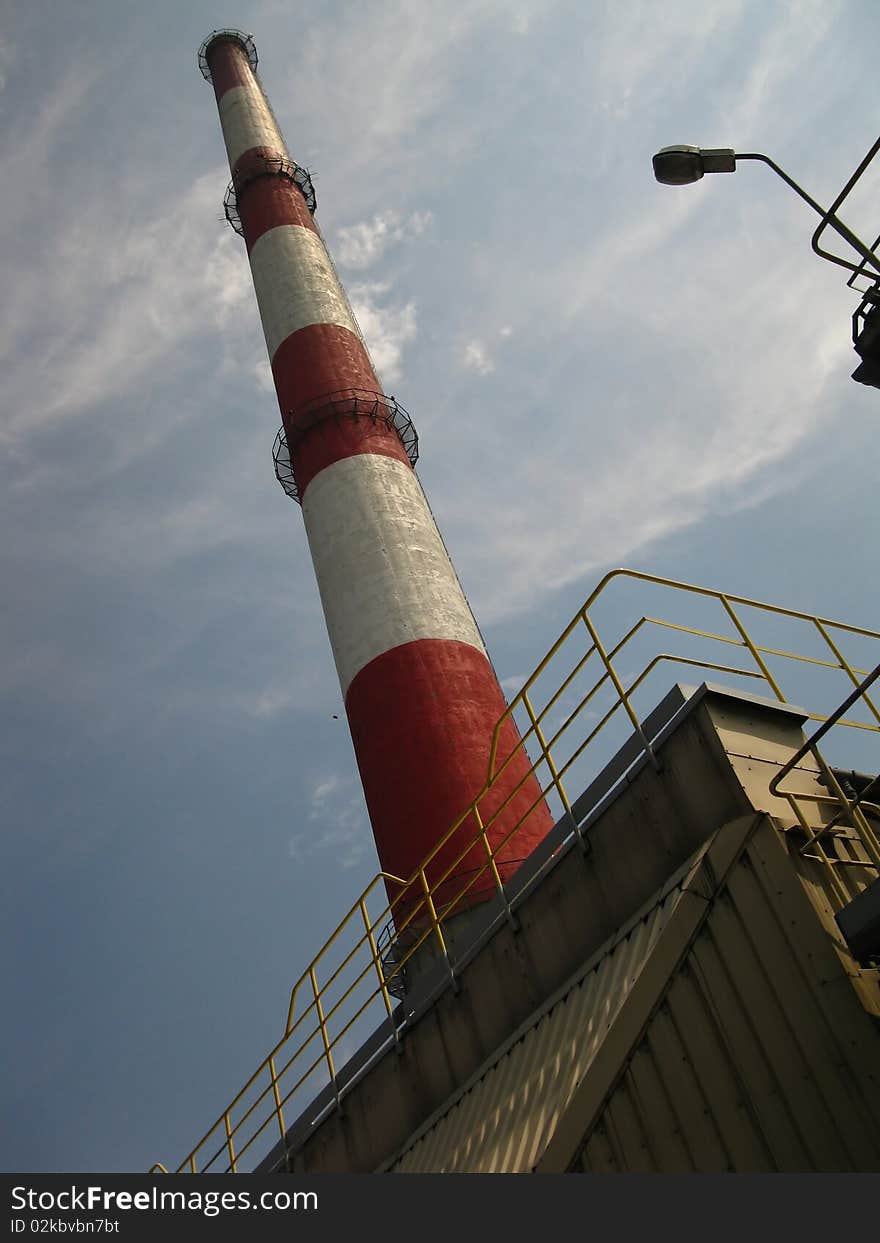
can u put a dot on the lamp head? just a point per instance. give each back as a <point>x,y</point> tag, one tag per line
<point>680,165</point>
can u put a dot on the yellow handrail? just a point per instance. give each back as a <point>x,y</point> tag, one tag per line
<point>854,810</point>
<point>416,908</point>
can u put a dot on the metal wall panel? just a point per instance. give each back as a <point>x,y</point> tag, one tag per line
<point>502,1121</point>
<point>756,1056</point>
<point>759,1058</point>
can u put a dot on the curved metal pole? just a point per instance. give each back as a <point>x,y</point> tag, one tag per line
<point>828,217</point>
<point>823,254</point>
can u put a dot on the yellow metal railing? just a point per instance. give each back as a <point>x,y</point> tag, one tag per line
<point>861,815</point>
<point>357,985</point>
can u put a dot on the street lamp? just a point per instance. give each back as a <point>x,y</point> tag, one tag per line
<point>681,165</point>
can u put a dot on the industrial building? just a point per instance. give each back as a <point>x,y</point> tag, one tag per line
<point>605,936</point>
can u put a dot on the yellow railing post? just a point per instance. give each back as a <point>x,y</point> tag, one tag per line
<point>435,923</point>
<point>554,772</point>
<point>857,818</point>
<point>377,963</point>
<point>328,1051</point>
<point>233,1169</point>
<point>496,875</point>
<point>545,752</point>
<point>845,667</point>
<point>814,835</point>
<point>618,686</point>
<point>279,1112</point>
<point>755,654</point>
<point>858,821</point>
<point>493,868</point>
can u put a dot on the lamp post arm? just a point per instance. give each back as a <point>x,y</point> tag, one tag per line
<point>827,217</point>
<point>823,254</point>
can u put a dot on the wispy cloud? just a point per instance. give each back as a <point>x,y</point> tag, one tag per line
<point>475,357</point>
<point>660,429</point>
<point>102,294</point>
<point>336,823</point>
<point>644,459</point>
<point>424,42</point>
<point>272,702</point>
<point>125,299</point>
<point>387,329</point>
<point>674,357</point>
<point>480,355</point>
<point>262,373</point>
<point>359,246</point>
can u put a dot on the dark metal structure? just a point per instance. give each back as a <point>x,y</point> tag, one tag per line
<point>375,408</point>
<point>684,164</point>
<point>267,166</point>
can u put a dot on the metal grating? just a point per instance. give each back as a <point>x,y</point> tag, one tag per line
<point>245,41</point>
<point>353,404</point>
<point>267,166</point>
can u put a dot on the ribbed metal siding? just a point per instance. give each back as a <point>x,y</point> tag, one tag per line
<point>758,1059</point>
<point>503,1122</point>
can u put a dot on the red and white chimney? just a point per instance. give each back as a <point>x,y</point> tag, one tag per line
<point>420,693</point>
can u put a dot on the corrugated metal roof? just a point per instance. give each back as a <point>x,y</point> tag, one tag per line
<point>752,1062</point>
<point>503,1119</point>
<point>736,1043</point>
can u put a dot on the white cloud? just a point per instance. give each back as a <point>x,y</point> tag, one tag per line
<point>128,293</point>
<point>475,357</point>
<point>271,703</point>
<point>672,352</point>
<point>386,329</point>
<point>640,43</point>
<point>336,823</point>
<point>321,793</point>
<point>359,246</point>
<point>133,294</point>
<point>424,43</point>
<point>775,57</point>
<point>646,454</point>
<point>262,373</point>
<point>637,339</point>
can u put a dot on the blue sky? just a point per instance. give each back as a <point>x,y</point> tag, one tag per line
<point>602,371</point>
